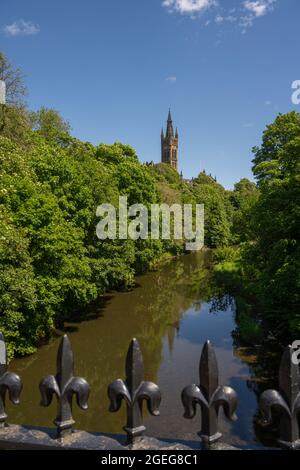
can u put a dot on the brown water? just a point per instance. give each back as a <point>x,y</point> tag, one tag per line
<point>166,313</point>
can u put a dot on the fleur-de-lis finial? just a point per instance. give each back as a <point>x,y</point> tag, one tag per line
<point>64,386</point>
<point>134,390</point>
<point>286,402</point>
<point>210,396</point>
<point>9,381</point>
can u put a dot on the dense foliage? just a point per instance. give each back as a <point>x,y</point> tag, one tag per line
<point>265,268</point>
<point>52,264</point>
<point>272,262</point>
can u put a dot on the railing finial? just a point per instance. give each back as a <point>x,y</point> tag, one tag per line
<point>286,401</point>
<point>134,390</point>
<point>64,385</point>
<point>9,381</point>
<point>210,396</point>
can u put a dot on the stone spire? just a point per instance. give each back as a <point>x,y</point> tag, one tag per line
<point>170,130</point>
<point>169,144</point>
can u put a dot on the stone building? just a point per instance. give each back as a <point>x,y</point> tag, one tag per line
<point>169,144</point>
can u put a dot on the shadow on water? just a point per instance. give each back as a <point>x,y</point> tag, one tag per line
<point>172,312</point>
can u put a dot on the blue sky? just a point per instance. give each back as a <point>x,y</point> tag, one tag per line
<point>113,68</point>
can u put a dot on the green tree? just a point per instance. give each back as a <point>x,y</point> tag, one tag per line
<point>14,121</point>
<point>243,190</point>
<point>242,199</point>
<point>49,123</point>
<point>272,261</point>
<point>217,210</point>
<point>114,154</point>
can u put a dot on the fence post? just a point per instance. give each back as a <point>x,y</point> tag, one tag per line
<point>9,381</point>
<point>210,396</point>
<point>64,385</point>
<point>134,390</point>
<point>286,401</point>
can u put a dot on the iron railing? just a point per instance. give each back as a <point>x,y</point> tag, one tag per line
<point>134,391</point>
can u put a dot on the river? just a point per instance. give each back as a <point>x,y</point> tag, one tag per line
<point>168,314</point>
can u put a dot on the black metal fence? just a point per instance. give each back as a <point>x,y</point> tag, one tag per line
<point>208,394</point>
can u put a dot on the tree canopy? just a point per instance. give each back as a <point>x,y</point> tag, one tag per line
<point>273,260</point>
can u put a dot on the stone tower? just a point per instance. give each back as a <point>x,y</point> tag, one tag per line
<point>169,144</point>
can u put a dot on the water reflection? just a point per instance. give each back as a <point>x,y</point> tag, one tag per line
<point>171,315</point>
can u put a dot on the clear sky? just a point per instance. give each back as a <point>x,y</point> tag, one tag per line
<point>114,67</point>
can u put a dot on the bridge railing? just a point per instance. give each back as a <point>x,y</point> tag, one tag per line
<point>134,390</point>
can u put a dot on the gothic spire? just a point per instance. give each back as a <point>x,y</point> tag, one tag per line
<point>170,130</point>
<point>169,144</point>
